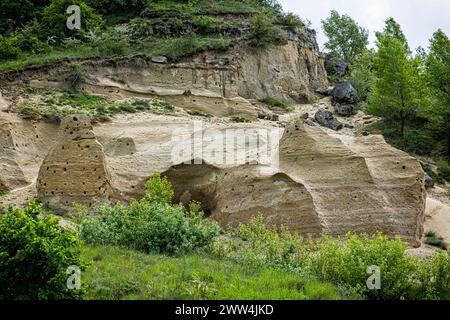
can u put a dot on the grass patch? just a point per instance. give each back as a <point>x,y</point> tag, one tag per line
<point>198,112</point>
<point>117,273</point>
<point>274,102</point>
<point>181,46</point>
<point>173,47</point>
<point>50,102</point>
<point>3,191</point>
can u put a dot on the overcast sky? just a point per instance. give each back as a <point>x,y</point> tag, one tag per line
<point>419,19</point>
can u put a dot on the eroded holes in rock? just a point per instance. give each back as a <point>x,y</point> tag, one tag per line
<point>62,147</point>
<point>54,171</point>
<point>65,169</point>
<point>75,119</point>
<point>404,167</point>
<point>48,168</point>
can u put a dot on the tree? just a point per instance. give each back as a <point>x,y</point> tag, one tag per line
<point>438,79</point>
<point>395,93</point>
<point>344,35</point>
<point>362,75</point>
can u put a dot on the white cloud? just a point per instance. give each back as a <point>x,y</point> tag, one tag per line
<point>418,18</point>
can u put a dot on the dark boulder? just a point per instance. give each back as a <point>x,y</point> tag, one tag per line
<point>429,182</point>
<point>344,93</point>
<point>335,66</point>
<point>344,110</point>
<point>326,119</point>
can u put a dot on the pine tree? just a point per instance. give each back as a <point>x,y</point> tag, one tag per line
<point>395,92</point>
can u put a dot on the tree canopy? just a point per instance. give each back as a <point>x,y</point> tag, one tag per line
<point>345,36</point>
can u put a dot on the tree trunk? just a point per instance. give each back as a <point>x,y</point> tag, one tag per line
<point>448,141</point>
<point>402,123</point>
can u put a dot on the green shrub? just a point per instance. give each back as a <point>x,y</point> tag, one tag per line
<point>274,102</point>
<point>152,224</point>
<point>291,21</point>
<point>343,262</point>
<point>254,243</point>
<point>202,24</point>
<point>35,252</point>
<point>8,48</point>
<point>3,191</point>
<point>263,33</point>
<point>347,262</point>
<point>158,190</point>
<point>110,44</point>
<point>443,169</point>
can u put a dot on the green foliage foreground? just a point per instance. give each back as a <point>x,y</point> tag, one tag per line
<point>179,254</point>
<point>343,261</point>
<point>152,224</point>
<point>35,252</point>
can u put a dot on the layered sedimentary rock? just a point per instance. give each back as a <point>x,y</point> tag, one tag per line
<point>74,170</point>
<point>322,182</point>
<point>23,144</point>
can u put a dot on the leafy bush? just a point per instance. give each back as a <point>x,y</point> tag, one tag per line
<point>203,24</point>
<point>35,252</point>
<point>347,262</point>
<point>343,262</point>
<point>274,102</point>
<point>254,243</point>
<point>152,224</point>
<point>291,21</point>
<point>262,32</point>
<point>8,48</point>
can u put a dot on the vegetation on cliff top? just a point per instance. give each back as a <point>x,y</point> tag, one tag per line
<point>123,28</point>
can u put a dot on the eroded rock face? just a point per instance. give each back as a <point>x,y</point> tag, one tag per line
<point>325,182</point>
<point>74,170</point>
